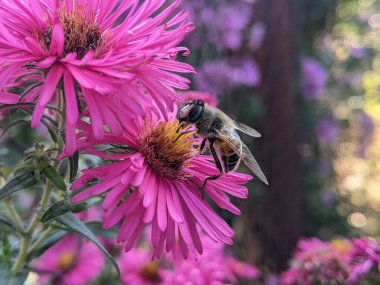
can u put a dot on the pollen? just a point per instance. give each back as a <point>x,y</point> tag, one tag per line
<point>168,149</point>
<point>149,272</point>
<point>66,260</point>
<point>82,33</point>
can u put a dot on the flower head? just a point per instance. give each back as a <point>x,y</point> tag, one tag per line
<point>154,180</point>
<point>121,54</point>
<point>207,97</point>
<point>317,261</point>
<point>365,257</point>
<point>70,261</point>
<point>138,268</point>
<point>214,266</point>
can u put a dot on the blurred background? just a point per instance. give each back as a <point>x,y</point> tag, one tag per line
<point>306,75</point>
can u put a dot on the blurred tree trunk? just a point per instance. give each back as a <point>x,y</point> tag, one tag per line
<point>276,222</point>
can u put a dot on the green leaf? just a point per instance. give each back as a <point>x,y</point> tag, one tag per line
<point>7,279</point>
<point>17,183</point>
<point>57,209</point>
<point>76,225</point>
<point>74,166</point>
<point>14,123</point>
<point>96,228</point>
<point>54,177</point>
<point>8,221</point>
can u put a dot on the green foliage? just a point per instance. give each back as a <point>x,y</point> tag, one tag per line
<point>74,224</point>
<point>57,209</point>
<point>17,183</point>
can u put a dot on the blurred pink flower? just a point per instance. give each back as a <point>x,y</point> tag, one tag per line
<point>214,266</point>
<point>314,78</point>
<point>365,257</point>
<point>137,268</point>
<point>327,131</point>
<point>222,75</point>
<point>317,261</point>
<point>155,181</point>
<point>71,261</point>
<point>207,97</point>
<point>120,53</point>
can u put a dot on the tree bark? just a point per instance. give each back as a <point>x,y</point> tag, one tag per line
<point>276,220</point>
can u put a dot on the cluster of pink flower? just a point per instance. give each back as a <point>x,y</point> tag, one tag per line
<point>63,265</point>
<point>337,262</point>
<point>111,68</point>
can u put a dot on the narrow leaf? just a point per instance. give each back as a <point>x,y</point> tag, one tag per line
<point>8,221</point>
<point>17,183</point>
<point>74,160</point>
<point>57,209</point>
<point>54,177</point>
<point>14,123</point>
<point>7,279</point>
<point>76,225</point>
<point>96,228</point>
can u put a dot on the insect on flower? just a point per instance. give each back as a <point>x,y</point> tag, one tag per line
<point>156,185</point>
<point>219,130</point>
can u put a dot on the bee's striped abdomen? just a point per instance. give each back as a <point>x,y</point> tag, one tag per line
<point>230,162</point>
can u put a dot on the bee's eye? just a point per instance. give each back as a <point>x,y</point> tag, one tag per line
<point>195,113</point>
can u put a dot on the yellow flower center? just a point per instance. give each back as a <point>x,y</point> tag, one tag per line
<point>81,31</point>
<point>66,260</point>
<point>341,245</point>
<point>149,272</point>
<point>167,149</point>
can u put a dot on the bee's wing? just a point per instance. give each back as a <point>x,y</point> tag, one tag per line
<point>246,156</point>
<point>247,130</point>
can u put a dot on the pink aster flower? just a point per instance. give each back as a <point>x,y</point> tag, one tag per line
<point>214,266</point>
<point>207,97</point>
<point>138,268</point>
<point>121,54</point>
<point>154,180</point>
<point>317,261</point>
<point>365,258</point>
<point>71,261</point>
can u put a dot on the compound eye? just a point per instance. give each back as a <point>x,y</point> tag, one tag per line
<point>195,114</point>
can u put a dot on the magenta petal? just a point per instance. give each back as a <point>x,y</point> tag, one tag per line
<point>70,138</point>
<point>8,98</point>
<point>162,217</point>
<point>151,193</point>
<point>50,85</point>
<point>173,211</point>
<point>57,38</point>
<point>71,98</point>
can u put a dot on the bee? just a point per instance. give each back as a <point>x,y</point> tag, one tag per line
<point>220,131</point>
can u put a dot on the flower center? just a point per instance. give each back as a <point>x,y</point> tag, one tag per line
<point>149,272</point>
<point>167,150</point>
<point>81,32</point>
<point>66,260</point>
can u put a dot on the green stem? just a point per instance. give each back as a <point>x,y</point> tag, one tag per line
<point>44,203</point>
<point>15,216</point>
<point>40,240</point>
<point>28,233</point>
<point>21,256</point>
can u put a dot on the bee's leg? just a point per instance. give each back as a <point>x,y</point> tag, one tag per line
<point>203,144</point>
<point>217,162</point>
<point>183,133</point>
